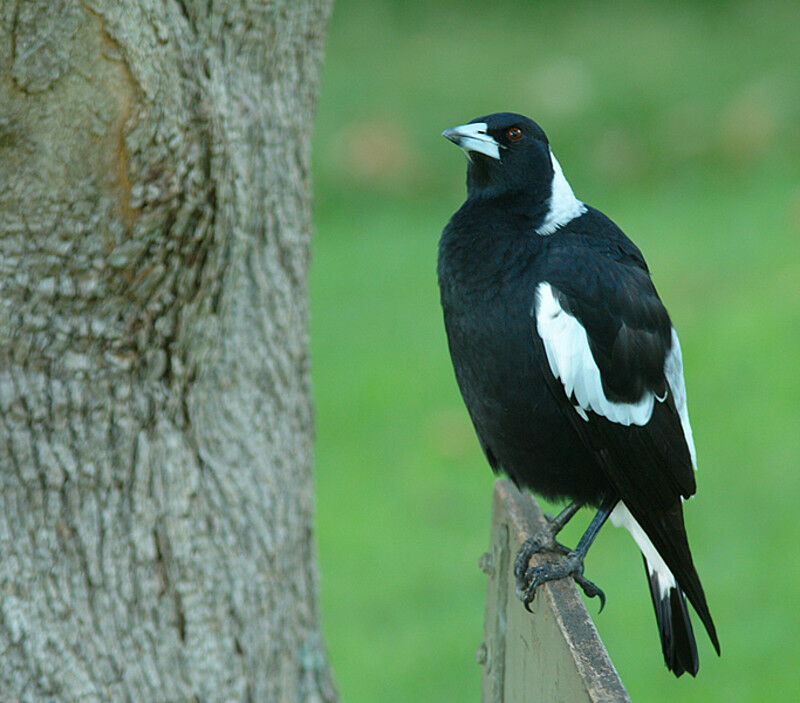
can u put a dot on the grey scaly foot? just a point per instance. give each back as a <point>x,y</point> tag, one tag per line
<point>542,541</point>
<point>569,565</point>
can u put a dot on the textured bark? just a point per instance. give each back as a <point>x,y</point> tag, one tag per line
<point>155,423</point>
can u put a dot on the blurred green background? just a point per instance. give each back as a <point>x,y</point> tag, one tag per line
<point>680,121</point>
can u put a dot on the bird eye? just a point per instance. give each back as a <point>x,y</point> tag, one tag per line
<point>514,134</point>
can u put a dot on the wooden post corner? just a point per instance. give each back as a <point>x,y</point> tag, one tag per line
<point>554,654</point>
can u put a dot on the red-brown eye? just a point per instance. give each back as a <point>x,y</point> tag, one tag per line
<point>514,134</point>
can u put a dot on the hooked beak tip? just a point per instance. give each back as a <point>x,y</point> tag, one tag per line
<point>451,134</point>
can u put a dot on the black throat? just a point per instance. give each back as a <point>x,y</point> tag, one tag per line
<point>509,191</point>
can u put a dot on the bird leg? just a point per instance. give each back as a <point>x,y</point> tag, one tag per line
<point>545,539</point>
<point>571,564</point>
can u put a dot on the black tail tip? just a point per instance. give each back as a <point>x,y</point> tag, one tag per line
<point>675,629</point>
<point>677,636</point>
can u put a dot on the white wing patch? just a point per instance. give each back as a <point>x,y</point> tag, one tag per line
<point>563,205</point>
<point>673,370</point>
<point>621,517</point>
<point>570,358</point>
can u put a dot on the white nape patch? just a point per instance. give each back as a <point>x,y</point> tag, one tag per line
<point>473,137</point>
<point>563,205</point>
<point>673,370</point>
<point>621,517</point>
<point>570,358</point>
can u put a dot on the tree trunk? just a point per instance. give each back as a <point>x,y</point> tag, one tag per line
<point>155,420</point>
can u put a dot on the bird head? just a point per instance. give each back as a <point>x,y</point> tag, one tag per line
<point>507,153</point>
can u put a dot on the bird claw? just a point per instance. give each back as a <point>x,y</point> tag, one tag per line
<point>591,590</point>
<point>542,541</point>
<point>532,545</point>
<point>569,565</point>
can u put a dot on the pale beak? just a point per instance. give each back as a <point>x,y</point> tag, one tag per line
<point>472,137</point>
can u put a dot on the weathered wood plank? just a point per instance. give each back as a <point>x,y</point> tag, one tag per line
<point>555,654</point>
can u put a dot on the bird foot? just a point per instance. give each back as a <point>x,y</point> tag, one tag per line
<point>542,541</point>
<point>569,565</point>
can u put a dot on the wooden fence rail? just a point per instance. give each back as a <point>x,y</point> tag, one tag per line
<point>555,654</point>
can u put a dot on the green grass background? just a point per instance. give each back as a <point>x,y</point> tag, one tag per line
<point>682,122</point>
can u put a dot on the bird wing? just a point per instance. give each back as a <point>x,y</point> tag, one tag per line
<point>613,363</point>
<point>614,375</point>
<point>608,340</point>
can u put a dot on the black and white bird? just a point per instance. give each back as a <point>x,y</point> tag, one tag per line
<point>570,367</point>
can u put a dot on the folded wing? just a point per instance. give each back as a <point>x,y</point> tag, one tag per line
<point>612,360</point>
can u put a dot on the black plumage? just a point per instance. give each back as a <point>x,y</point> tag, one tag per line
<point>568,362</point>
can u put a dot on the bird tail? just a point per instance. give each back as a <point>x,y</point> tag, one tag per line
<point>674,626</point>
<point>669,598</point>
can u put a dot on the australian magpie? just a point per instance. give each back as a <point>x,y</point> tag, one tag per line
<point>570,367</point>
